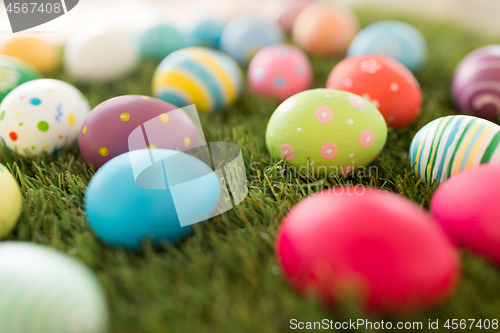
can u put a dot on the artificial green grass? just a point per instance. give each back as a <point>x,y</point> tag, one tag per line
<point>225,277</point>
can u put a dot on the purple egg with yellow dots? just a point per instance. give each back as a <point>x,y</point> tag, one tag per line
<point>476,84</point>
<point>105,133</point>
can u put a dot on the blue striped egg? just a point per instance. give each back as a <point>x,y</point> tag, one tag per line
<point>449,145</point>
<point>46,291</point>
<point>395,39</point>
<point>196,75</point>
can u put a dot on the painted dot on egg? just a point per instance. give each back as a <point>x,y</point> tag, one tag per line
<point>347,171</point>
<point>20,124</point>
<point>367,139</point>
<point>394,86</point>
<point>35,101</point>
<point>299,129</point>
<point>287,152</point>
<point>323,114</point>
<point>350,121</point>
<point>347,83</point>
<point>329,150</point>
<point>84,130</point>
<point>187,141</point>
<point>2,115</point>
<point>72,119</point>
<point>103,151</point>
<point>125,116</point>
<point>357,103</point>
<point>259,74</point>
<point>152,146</point>
<point>272,133</point>
<point>13,136</point>
<point>164,118</point>
<point>43,126</point>
<point>351,156</point>
<point>280,82</point>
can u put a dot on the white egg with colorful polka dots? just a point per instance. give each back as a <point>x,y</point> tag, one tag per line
<point>42,116</point>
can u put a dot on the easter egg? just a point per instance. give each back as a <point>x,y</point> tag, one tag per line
<point>207,78</point>
<point>101,53</point>
<point>42,116</point>
<point>326,131</point>
<point>205,32</point>
<point>378,246</point>
<point>123,214</point>
<point>10,202</point>
<point>280,71</point>
<point>105,132</point>
<point>466,208</point>
<point>158,41</point>
<point>42,55</point>
<point>476,83</point>
<point>47,291</point>
<point>449,145</point>
<point>14,72</point>
<point>285,12</point>
<point>395,39</point>
<point>325,29</point>
<point>383,81</point>
<point>245,35</point>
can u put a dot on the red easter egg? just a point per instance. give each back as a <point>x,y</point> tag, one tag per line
<point>466,207</point>
<point>106,130</point>
<point>384,81</point>
<point>379,245</point>
<point>280,71</point>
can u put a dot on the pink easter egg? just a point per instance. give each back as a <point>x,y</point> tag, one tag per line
<point>284,12</point>
<point>376,245</point>
<point>106,130</point>
<point>280,71</point>
<point>466,207</point>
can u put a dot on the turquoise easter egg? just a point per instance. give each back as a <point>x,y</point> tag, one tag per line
<point>449,145</point>
<point>245,35</point>
<point>122,213</point>
<point>326,132</point>
<point>395,39</point>
<point>46,291</point>
<point>207,78</point>
<point>205,33</point>
<point>158,41</point>
<point>14,72</point>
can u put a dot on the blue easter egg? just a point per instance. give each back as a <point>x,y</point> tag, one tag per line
<point>122,213</point>
<point>395,39</point>
<point>159,41</point>
<point>206,33</point>
<point>245,35</point>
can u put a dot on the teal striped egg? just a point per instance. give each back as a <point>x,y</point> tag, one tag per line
<point>449,145</point>
<point>45,291</point>
<point>207,78</point>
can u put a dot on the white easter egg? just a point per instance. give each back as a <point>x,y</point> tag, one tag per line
<point>42,116</point>
<point>101,53</point>
<point>46,291</point>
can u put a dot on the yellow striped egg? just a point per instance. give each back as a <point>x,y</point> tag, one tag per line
<point>449,145</point>
<point>46,291</point>
<point>196,75</point>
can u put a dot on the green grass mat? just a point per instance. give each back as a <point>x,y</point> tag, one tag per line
<point>225,278</point>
